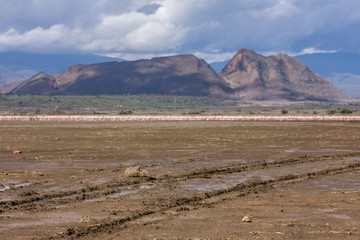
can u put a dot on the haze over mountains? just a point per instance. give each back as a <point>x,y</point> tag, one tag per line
<point>247,76</point>
<point>15,66</point>
<point>342,69</point>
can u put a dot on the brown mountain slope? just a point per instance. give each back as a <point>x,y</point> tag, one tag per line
<point>253,76</point>
<point>175,75</point>
<point>247,76</point>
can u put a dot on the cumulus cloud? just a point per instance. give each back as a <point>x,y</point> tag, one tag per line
<point>210,28</point>
<point>282,9</point>
<point>34,37</point>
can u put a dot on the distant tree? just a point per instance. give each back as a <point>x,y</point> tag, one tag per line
<point>346,111</point>
<point>125,112</point>
<point>284,111</point>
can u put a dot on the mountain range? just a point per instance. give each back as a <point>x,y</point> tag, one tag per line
<point>247,76</point>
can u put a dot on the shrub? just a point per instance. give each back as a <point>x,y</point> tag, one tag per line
<point>136,171</point>
<point>346,111</point>
<point>125,112</point>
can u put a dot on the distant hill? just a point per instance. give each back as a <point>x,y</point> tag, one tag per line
<point>15,66</point>
<point>253,76</point>
<point>6,88</point>
<point>175,75</point>
<point>8,75</point>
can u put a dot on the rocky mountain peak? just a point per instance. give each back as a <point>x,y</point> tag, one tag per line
<point>253,76</point>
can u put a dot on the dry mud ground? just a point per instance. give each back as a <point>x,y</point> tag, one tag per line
<point>296,180</point>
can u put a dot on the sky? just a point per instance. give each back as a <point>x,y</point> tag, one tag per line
<point>211,29</point>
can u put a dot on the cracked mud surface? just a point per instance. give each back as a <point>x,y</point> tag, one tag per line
<point>296,180</point>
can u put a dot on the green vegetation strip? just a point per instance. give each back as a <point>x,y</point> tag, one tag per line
<point>164,104</point>
<point>107,101</point>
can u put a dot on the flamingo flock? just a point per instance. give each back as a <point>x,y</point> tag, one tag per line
<point>177,118</point>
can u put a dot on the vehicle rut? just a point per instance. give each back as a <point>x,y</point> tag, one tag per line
<point>200,200</point>
<point>100,190</point>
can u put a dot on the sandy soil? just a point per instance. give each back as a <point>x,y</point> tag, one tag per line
<point>296,180</point>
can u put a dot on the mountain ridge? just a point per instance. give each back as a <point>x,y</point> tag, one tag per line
<point>180,74</point>
<point>248,75</point>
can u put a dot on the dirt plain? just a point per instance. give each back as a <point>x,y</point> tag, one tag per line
<point>296,180</point>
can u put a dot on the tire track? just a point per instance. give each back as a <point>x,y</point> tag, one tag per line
<point>96,191</point>
<point>200,201</point>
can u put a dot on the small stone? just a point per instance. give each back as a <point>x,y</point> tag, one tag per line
<point>247,219</point>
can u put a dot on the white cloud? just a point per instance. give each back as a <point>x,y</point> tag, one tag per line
<point>312,50</point>
<point>151,37</point>
<point>136,56</point>
<point>309,50</point>
<point>36,38</point>
<point>135,31</point>
<point>282,9</point>
<point>161,27</point>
